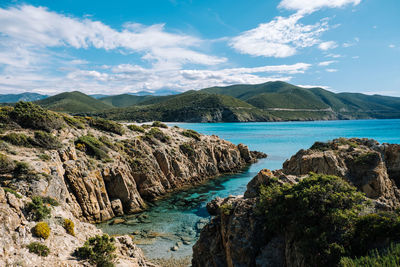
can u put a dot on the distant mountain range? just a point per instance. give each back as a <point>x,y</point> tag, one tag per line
<point>271,101</point>
<point>13,98</point>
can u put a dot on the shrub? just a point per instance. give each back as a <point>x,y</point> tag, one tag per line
<point>6,165</point>
<point>51,201</point>
<point>39,249</point>
<point>21,168</point>
<point>44,157</point>
<point>98,250</point>
<point>69,226</point>
<point>387,257</point>
<point>136,128</point>
<point>18,139</point>
<point>106,125</point>
<point>9,190</point>
<point>367,158</point>
<point>92,146</point>
<point>41,230</point>
<point>5,114</point>
<point>192,134</point>
<point>29,115</point>
<point>46,140</point>
<point>158,134</point>
<point>187,149</point>
<point>37,209</point>
<point>226,208</point>
<point>159,124</point>
<point>74,121</point>
<point>319,211</point>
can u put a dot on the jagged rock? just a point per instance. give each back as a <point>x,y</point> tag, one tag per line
<point>236,237</point>
<point>116,206</point>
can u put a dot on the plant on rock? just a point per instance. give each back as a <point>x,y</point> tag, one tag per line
<point>69,226</point>
<point>98,250</point>
<point>42,230</point>
<point>39,249</point>
<point>37,210</point>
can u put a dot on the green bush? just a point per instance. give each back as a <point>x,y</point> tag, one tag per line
<point>9,190</point>
<point>41,230</point>
<point>37,210</point>
<point>18,139</point>
<point>76,122</point>
<point>21,168</point>
<point>29,115</point>
<point>158,134</point>
<point>92,146</point>
<point>226,208</point>
<point>366,159</point>
<point>5,114</point>
<point>388,257</point>
<point>44,157</point>
<point>136,128</point>
<point>319,212</point>
<point>6,164</point>
<point>159,124</point>
<point>187,149</point>
<point>46,140</point>
<point>51,201</point>
<point>69,226</point>
<point>39,249</point>
<point>106,125</point>
<point>98,250</point>
<point>191,134</point>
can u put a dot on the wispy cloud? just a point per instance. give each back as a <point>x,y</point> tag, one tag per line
<point>309,6</point>
<point>280,37</point>
<point>327,63</point>
<point>327,45</point>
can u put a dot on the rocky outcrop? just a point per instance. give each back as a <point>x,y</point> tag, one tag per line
<point>15,235</point>
<point>139,168</point>
<point>236,235</point>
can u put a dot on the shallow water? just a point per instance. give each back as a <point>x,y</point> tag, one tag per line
<point>177,216</point>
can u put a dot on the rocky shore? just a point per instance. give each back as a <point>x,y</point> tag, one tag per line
<point>95,170</point>
<point>237,235</point>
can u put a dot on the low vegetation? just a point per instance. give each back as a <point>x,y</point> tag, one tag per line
<point>187,149</point>
<point>322,214</point>
<point>18,139</point>
<point>41,139</point>
<point>29,115</point>
<point>12,191</point>
<point>106,125</point>
<point>39,249</point>
<point>159,124</point>
<point>191,134</point>
<point>156,133</point>
<point>6,164</point>
<point>69,226</point>
<point>136,128</point>
<point>37,209</point>
<point>387,257</point>
<point>41,230</point>
<point>92,146</point>
<point>98,250</point>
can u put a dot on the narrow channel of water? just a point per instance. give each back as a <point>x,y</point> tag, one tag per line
<point>177,219</point>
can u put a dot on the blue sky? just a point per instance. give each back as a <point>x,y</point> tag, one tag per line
<point>112,47</point>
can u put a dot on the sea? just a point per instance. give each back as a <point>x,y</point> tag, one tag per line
<point>180,216</point>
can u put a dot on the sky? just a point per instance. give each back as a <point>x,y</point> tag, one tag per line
<point>114,47</point>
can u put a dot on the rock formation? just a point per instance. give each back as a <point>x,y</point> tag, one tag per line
<point>235,235</point>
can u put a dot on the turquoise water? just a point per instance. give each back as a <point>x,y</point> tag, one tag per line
<point>178,215</point>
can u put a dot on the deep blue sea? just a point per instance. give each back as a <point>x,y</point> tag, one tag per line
<point>177,215</point>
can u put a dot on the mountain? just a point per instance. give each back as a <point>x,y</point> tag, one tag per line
<point>13,98</point>
<point>125,100</point>
<point>191,106</point>
<point>271,101</point>
<point>73,102</point>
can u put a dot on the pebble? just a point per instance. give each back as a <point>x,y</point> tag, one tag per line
<point>175,248</point>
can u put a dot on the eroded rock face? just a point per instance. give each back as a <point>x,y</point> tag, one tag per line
<point>139,169</point>
<point>235,235</point>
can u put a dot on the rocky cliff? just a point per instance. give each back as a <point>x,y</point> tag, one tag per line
<point>237,235</point>
<point>96,170</point>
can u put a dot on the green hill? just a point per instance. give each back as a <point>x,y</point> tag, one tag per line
<point>192,106</point>
<point>269,101</point>
<point>73,102</point>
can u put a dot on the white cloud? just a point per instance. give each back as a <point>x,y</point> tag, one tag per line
<point>392,46</point>
<point>327,45</point>
<point>308,6</point>
<point>40,27</point>
<point>327,63</point>
<point>331,70</point>
<point>314,86</point>
<point>280,37</point>
<point>334,55</point>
